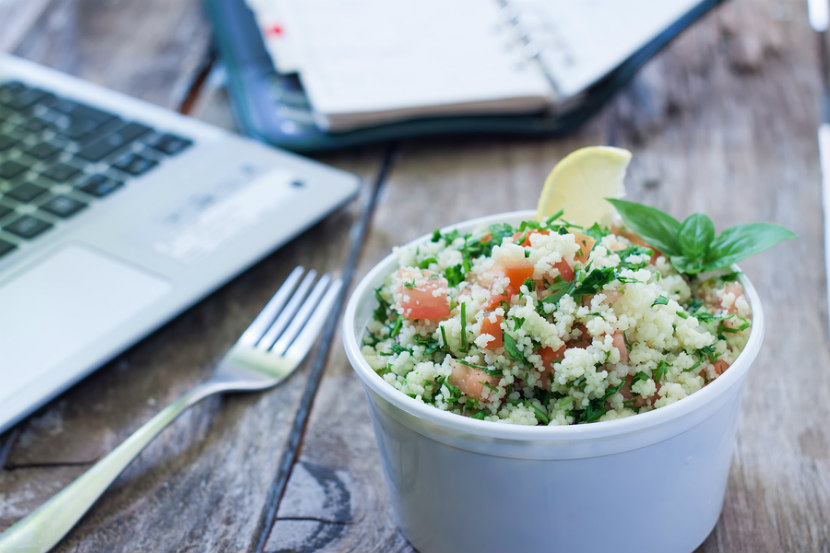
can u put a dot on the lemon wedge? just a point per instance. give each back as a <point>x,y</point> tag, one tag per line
<point>581,181</point>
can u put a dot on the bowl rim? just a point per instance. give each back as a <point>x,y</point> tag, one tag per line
<point>505,431</point>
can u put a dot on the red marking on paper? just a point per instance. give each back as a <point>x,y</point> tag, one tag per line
<point>274,30</point>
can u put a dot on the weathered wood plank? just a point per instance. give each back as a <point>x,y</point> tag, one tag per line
<point>152,50</point>
<point>722,122</point>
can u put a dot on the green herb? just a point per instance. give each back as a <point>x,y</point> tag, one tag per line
<point>410,285</point>
<point>592,283</point>
<point>661,300</point>
<point>611,391</point>
<point>634,251</point>
<point>490,386</point>
<point>481,414</point>
<point>454,275</point>
<point>450,236</point>
<point>463,362</point>
<point>382,308</point>
<point>512,349</point>
<point>595,410</point>
<point>444,337</point>
<point>682,314</point>
<point>597,232</point>
<point>549,221</point>
<point>524,225</point>
<point>636,378</point>
<point>426,262</point>
<point>660,371</point>
<point>693,367</point>
<point>518,322</point>
<point>531,285</point>
<point>692,246</point>
<point>723,328</point>
<point>559,287</point>
<point>396,327</point>
<point>540,415</point>
<point>430,344</point>
<point>627,343</point>
<point>436,236</point>
<point>464,326</point>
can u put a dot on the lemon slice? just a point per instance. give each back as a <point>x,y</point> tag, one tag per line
<point>581,181</point>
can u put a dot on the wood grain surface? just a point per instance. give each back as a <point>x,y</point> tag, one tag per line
<point>722,121</point>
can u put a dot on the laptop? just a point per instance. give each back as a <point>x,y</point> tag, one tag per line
<point>116,215</point>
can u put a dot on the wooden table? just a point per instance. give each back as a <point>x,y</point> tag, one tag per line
<point>723,121</point>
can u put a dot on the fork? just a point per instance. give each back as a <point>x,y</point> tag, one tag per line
<point>267,352</point>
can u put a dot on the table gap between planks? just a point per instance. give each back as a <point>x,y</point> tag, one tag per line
<point>723,121</point>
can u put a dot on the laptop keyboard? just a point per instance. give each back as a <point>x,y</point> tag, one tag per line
<point>57,156</point>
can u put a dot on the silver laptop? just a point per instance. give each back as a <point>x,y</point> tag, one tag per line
<point>116,215</point>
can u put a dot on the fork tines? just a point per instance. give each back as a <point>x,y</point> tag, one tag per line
<point>294,315</point>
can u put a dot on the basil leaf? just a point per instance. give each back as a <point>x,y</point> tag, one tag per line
<point>695,235</point>
<point>685,265</point>
<point>654,226</point>
<point>741,241</point>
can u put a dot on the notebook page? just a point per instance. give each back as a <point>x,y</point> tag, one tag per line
<point>370,61</point>
<point>274,19</point>
<point>580,41</point>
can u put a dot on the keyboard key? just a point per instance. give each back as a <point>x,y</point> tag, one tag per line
<point>26,192</point>
<point>34,125</point>
<point>61,172</point>
<point>6,247</point>
<point>63,206</point>
<point>99,185</point>
<point>6,142</point>
<point>170,144</point>
<point>23,98</point>
<point>134,164</point>
<point>27,226</point>
<point>99,149</point>
<point>43,150</point>
<point>10,169</point>
<point>9,89</point>
<point>82,112</point>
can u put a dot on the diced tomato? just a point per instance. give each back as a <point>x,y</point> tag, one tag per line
<point>565,270</point>
<point>586,244</point>
<point>550,356</point>
<point>720,366</point>
<point>584,340</point>
<point>518,273</point>
<point>429,299</point>
<point>471,380</point>
<point>493,329</point>
<point>496,299</point>
<point>619,343</point>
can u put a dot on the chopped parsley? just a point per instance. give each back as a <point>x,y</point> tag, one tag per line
<point>661,300</point>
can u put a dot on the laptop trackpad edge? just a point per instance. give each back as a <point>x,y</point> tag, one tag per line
<point>46,321</point>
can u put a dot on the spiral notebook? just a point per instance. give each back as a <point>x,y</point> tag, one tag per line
<point>315,75</point>
<point>369,62</point>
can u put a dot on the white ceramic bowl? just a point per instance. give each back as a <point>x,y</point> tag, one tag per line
<point>650,482</point>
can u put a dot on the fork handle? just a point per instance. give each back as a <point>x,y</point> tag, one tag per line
<point>44,527</point>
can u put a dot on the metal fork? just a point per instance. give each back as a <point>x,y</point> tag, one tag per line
<point>266,353</point>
